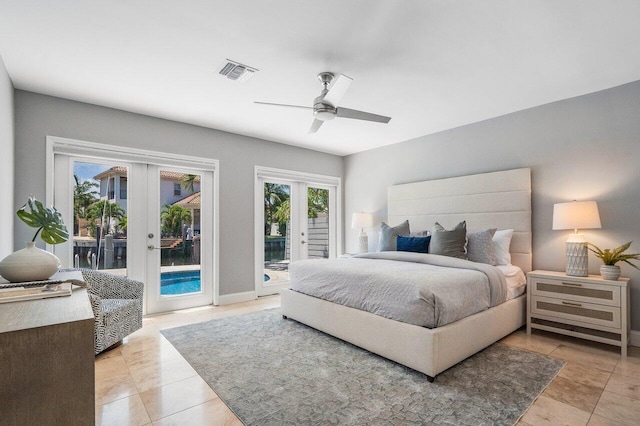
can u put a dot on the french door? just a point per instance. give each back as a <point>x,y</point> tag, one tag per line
<point>296,218</point>
<point>179,238</point>
<point>151,222</point>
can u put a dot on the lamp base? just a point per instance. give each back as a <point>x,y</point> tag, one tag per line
<point>364,243</point>
<point>577,259</point>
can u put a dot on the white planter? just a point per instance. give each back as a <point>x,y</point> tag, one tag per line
<point>29,264</point>
<point>610,272</point>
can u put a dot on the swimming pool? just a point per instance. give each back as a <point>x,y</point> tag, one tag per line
<point>182,282</point>
<point>179,282</point>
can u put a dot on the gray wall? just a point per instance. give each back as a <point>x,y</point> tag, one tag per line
<point>584,148</point>
<point>38,116</point>
<point>6,162</point>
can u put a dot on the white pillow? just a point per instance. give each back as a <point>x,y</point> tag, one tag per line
<point>501,243</point>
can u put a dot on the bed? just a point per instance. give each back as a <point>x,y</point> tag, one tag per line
<point>499,199</point>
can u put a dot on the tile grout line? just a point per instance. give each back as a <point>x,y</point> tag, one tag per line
<point>196,375</point>
<point>602,393</point>
<point>540,394</point>
<point>145,405</point>
<point>137,389</point>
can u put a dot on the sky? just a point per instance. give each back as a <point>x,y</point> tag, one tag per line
<point>86,171</point>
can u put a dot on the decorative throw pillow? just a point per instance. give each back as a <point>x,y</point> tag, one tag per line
<point>413,244</point>
<point>420,233</point>
<point>449,243</point>
<point>388,234</point>
<point>501,243</point>
<point>480,247</point>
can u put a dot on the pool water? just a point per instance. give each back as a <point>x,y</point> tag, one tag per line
<point>172,283</point>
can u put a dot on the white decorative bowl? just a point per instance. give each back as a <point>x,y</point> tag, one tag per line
<point>29,264</point>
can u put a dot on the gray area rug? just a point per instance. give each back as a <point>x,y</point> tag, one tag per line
<point>272,371</point>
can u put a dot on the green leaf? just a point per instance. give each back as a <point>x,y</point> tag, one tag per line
<point>611,257</point>
<point>47,220</point>
<point>621,249</point>
<point>626,261</point>
<point>595,249</point>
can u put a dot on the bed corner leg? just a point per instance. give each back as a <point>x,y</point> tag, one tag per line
<point>430,379</point>
<point>285,317</point>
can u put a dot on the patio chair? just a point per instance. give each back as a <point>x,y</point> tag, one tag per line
<point>117,306</point>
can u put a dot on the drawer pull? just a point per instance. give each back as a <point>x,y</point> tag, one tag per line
<point>572,284</point>
<point>572,304</point>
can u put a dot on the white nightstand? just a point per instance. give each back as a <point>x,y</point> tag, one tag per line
<point>587,307</point>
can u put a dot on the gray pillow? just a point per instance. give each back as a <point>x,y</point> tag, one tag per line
<point>449,243</point>
<point>388,235</point>
<point>480,247</point>
<point>420,234</point>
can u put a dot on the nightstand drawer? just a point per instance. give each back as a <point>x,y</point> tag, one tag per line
<point>600,294</point>
<point>589,313</point>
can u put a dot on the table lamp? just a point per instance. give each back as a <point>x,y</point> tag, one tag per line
<point>362,220</point>
<point>576,215</point>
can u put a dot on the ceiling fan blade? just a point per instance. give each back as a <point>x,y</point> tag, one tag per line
<point>315,125</point>
<point>338,89</point>
<point>282,105</point>
<point>361,115</point>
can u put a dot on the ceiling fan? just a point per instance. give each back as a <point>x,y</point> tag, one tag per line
<point>325,107</point>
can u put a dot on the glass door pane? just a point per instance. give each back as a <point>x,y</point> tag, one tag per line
<point>179,238</point>
<point>317,223</point>
<point>100,216</point>
<point>179,233</point>
<point>277,233</point>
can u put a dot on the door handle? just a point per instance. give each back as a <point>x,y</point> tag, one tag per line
<point>152,247</point>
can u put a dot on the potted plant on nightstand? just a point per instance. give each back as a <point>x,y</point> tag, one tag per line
<point>32,263</point>
<point>609,270</point>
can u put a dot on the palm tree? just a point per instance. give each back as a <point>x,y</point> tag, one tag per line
<point>187,182</point>
<point>317,202</point>
<point>104,210</point>
<point>172,219</point>
<point>121,226</point>
<point>84,195</point>
<point>274,195</point>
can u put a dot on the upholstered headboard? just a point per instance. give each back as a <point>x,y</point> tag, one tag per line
<point>489,200</point>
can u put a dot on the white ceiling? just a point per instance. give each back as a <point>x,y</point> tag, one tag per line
<point>431,65</point>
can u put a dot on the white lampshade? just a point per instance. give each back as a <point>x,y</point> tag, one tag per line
<point>362,220</point>
<point>576,215</point>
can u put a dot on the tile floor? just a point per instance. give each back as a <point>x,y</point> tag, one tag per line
<point>146,381</point>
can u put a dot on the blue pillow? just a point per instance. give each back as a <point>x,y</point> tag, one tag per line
<point>414,244</point>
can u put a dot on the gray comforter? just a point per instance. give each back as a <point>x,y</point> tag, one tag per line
<point>420,289</point>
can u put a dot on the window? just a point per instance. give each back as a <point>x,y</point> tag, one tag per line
<point>177,190</point>
<point>123,188</point>
<point>111,193</point>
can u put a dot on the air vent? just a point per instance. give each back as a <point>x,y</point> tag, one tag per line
<point>236,71</point>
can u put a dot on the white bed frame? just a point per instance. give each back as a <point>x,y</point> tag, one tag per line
<point>498,199</point>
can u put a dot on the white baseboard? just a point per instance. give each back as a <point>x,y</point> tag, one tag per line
<point>634,338</point>
<point>228,299</point>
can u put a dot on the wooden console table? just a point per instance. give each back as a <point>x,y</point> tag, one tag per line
<point>47,360</point>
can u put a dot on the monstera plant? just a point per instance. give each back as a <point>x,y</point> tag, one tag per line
<point>48,221</point>
<point>31,263</point>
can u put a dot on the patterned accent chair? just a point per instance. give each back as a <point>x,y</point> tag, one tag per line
<point>117,306</point>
